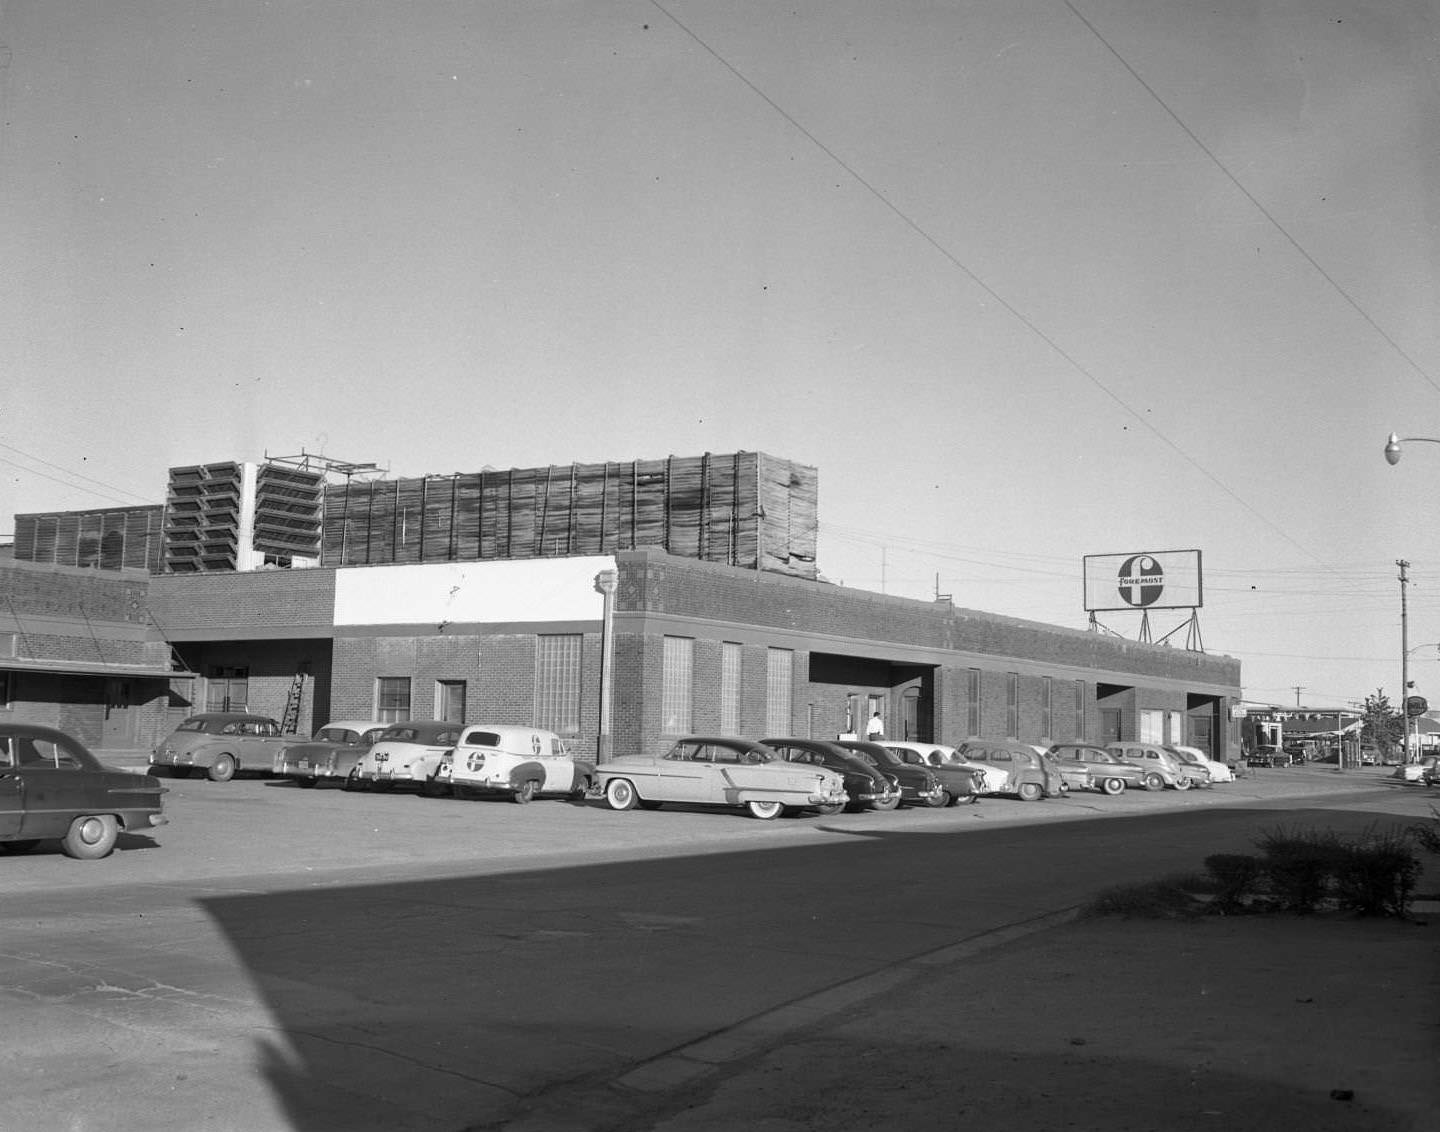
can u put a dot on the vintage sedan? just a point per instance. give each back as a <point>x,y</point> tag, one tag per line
<point>522,763</point>
<point>1162,766</point>
<point>404,754</point>
<point>330,754</point>
<point>1017,768</point>
<point>868,787</point>
<point>718,771</point>
<point>963,781</point>
<point>919,785</point>
<point>1103,770</point>
<point>1218,771</point>
<point>51,786</point>
<point>221,743</point>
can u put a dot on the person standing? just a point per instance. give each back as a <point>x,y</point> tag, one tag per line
<point>875,728</point>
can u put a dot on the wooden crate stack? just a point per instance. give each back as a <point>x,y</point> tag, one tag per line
<point>746,509</point>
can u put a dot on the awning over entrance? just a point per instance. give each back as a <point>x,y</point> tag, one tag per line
<point>94,668</point>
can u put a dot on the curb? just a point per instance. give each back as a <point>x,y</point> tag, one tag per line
<point>619,1099</point>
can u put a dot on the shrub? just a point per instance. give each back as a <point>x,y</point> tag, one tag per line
<point>1299,866</point>
<point>1376,875</point>
<point>1237,876</point>
<point>1164,899</point>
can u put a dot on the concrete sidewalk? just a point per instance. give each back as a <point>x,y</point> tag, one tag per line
<point>1316,1023</point>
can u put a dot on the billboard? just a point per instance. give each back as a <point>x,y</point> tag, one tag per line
<point>1160,579</point>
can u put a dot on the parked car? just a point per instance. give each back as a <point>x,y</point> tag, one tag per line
<point>1103,770</point>
<point>330,754</point>
<point>918,785</point>
<point>1016,768</point>
<point>867,786</point>
<point>963,781</point>
<point>404,754</point>
<point>524,763</point>
<point>718,771</point>
<point>1162,767</point>
<point>1196,766</point>
<point>1369,754</point>
<point>51,786</point>
<point>1430,773</point>
<point>1219,772</point>
<point>221,743</point>
<point>1267,755</point>
<point>1415,772</point>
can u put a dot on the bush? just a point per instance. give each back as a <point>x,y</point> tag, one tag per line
<point>1237,876</point>
<point>1376,876</point>
<point>1164,899</point>
<point>1299,866</point>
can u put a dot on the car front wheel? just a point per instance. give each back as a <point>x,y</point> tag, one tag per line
<point>223,769</point>
<point>620,794</point>
<point>890,803</point>
<point>940,799</point>
<point>765,811</point>
<point>528,789</point>
<point>91,837</point>
<point>830,810</point>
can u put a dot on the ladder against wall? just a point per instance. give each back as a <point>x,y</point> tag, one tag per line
<point>291,722</point>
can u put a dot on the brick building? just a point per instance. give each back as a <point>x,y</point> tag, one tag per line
<point>478,598</point>
<point>696,647</point>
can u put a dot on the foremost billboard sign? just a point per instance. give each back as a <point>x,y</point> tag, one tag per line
<point>1161,579</point>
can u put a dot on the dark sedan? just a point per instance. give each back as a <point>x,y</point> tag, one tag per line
<point>918,785</point>
<point>867,786</point>
<point>52,787</point>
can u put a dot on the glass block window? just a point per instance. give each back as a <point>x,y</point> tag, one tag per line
<point>557,682</point>
<point>1012,705</point>
<point>730,688</point>
<point>677,683</point>
<point>779,666</point>
<point>392,699</point>
<point>972,702</point>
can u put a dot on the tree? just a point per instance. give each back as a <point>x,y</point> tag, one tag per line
<point>1382,724</point>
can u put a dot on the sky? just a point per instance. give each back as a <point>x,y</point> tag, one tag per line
<point>1025,280</point>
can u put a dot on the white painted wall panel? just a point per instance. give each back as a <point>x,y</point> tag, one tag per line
<point>532,589</point>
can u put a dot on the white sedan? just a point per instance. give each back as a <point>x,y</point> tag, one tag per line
<point>1219,772</point>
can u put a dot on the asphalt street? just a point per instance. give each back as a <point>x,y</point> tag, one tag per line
<point>305,960</point>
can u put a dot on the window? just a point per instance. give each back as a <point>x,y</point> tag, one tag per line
<point>392,699</point>
<point>1079,709</point>
<point>1012,705</point>
<point>729,688</point>
<point>227,689</point>
<point>1047,707</point>
<point>1176,722</point>
<point>9,644</point>
<point>972,701</point>
<point>1152,726</point>
<point>676,691</point>
<point>557,682</point>
<point>779,665</point>
<point>450,700</point>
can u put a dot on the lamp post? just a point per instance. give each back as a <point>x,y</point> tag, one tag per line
<point>1392,446</point>
<point>606,583</point>
<point>1392,457</point>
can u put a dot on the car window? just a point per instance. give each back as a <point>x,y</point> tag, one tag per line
<point>482,739</point>
<point>39,752</point>
<point>194,725</point>
<point>372,735</point>
<point>230,729</point>
<point>399,734</point>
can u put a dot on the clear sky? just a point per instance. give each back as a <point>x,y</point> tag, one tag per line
<point>1025,279</point>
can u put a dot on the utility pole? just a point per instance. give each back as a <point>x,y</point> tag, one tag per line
<point>1298,689</point>
<point>1404,658</point>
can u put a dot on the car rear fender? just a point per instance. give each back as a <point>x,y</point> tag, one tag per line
<point>521,773</point>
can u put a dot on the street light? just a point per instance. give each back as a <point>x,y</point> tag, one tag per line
<point>1392,446</point>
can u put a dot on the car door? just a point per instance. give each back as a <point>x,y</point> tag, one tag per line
<point>260,742</point>
<point>687,774</point>
<point>12,791</point>
<point>56,787</point>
